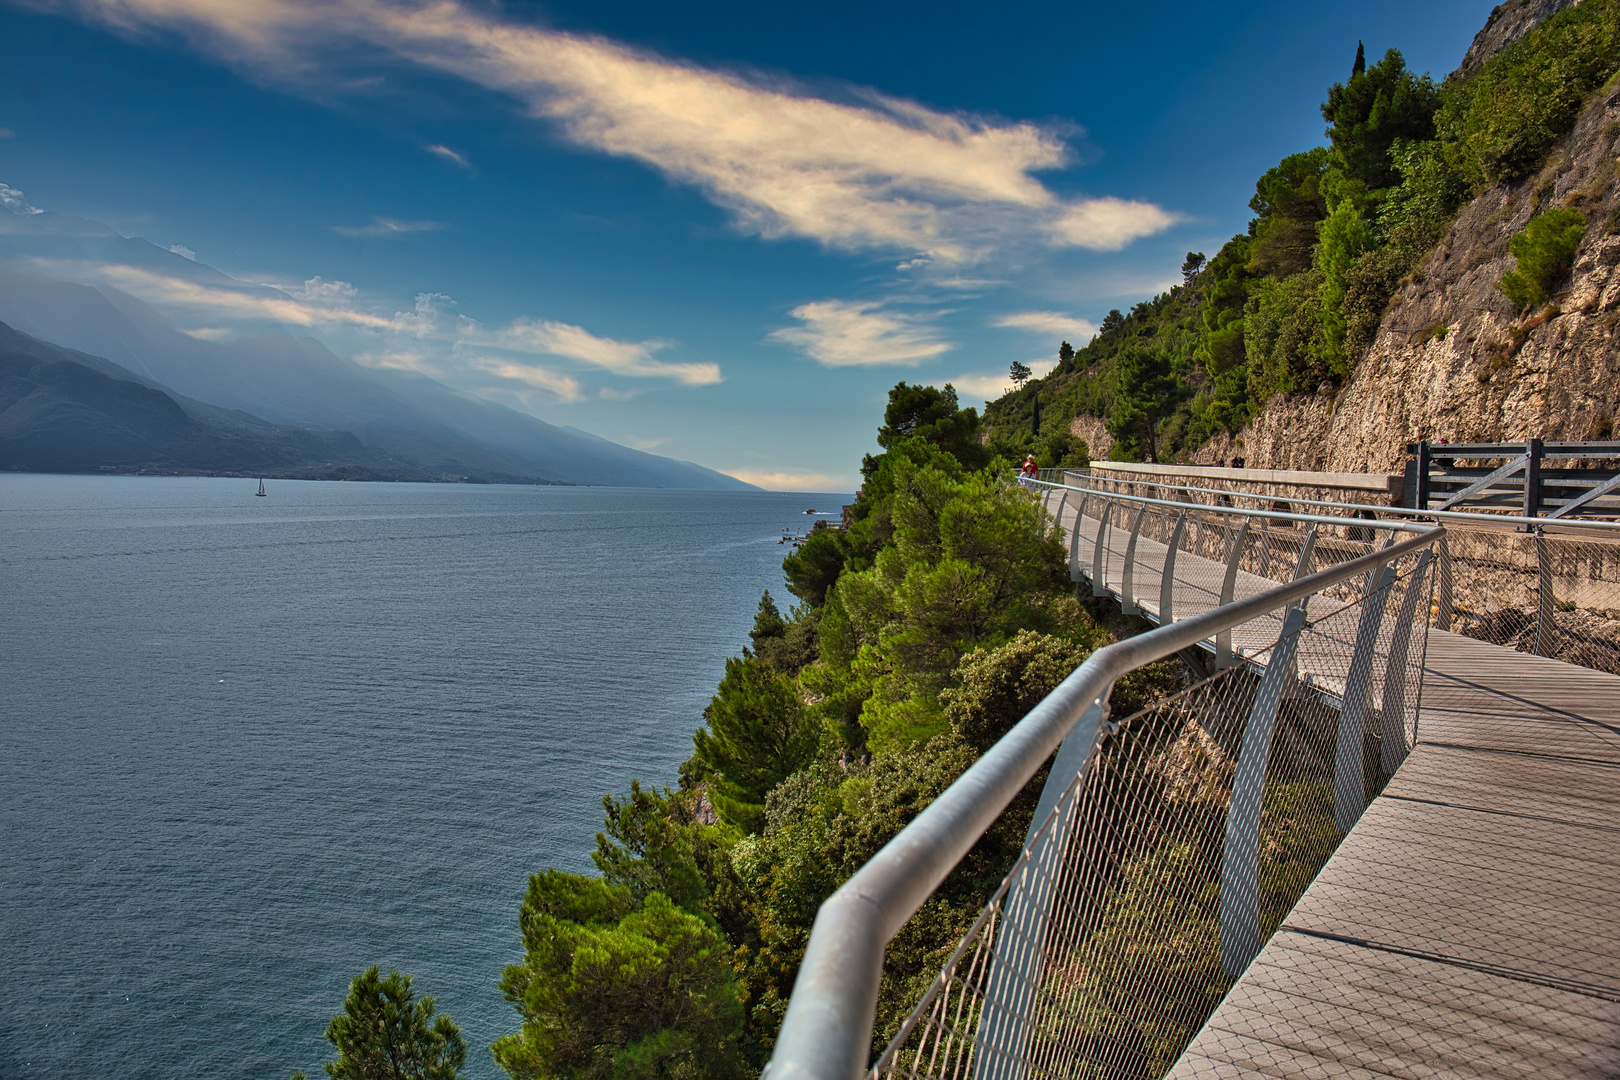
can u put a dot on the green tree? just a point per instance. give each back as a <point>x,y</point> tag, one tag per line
<point>933,415</point>
<point>1192,266</point>
<point>1112,322</point>
<point>609,990</point>
<point>1148,392</point>
<point>813,568</point>
<point>1065,353</point>
<point>1545,251</point>
<point>1345,237</point>
<point>383,1034</point>
<point>768,621</point>
<point>1020,374</point>
<point>1288,202</point>
<point>1368,112</point>
<point>757,736</point>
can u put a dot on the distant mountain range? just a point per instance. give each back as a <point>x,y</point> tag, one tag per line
<point>94,379</point>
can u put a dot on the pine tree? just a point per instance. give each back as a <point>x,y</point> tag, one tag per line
<point>1360,66</point>
<point>382,1035</point>
<point>768,621</point>
<point>757,736</point>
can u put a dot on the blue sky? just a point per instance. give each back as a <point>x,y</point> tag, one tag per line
<point>719,233</point>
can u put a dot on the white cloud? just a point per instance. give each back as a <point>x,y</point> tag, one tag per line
<point>564,387</point>
<point>386,227</point>
<point>1051,323</point>
<point>1108,224</point>
<point>439,150</point>
<point>317,290</point>
<point>613,393</point>
<point>990,387</point>
<point>784,481</point>
<point>859,333</point>
<point>211,333</point>
<point>867,173</point>
<point>16,202</point>
<point>183,251</point>
<point>629,358</point>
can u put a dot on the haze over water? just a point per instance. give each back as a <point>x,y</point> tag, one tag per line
<point>250,746</point>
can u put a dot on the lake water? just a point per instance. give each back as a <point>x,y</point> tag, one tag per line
<point>250,746</point>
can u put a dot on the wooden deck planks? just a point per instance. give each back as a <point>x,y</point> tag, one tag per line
<point>1469,925</point>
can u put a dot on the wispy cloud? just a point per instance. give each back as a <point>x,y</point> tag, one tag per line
<point>183,251</point>
<point>460,161</point>
<point>868,172</point>
<point>784,481</point>
<point>860,333</point>
<point>564,387</point>
<point>16,202</point>
<point>386,227</point>
<point>1050,323</point>
<point>545,337</point>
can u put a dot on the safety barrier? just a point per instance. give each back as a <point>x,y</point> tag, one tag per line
<point>1166,845</point>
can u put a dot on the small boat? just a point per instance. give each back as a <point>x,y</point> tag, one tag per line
<point>261,491</point>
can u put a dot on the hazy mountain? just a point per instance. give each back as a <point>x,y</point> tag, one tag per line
<point>294,381</point>
<point>66,411</point>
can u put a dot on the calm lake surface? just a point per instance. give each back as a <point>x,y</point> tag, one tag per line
<point>250,746</point>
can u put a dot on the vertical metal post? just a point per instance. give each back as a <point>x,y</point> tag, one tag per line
<point>1074,539</point>
<point>1223,640</point>
<point>1546,628</point>
<point>1127,596</point>
<point>1349,784</point>
<point>1020,944</point>
<point>1240,857</point>
<point>1424,461</point>
<point>1444,600</point>
<point>1167,581</point>
<point>1099,555</point>
<point>1532,478</point>
<point>1302,564</point>
<point>1392,718</point>
<point>1057,518</point>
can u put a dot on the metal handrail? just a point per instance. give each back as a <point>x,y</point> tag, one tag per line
<point>1274,515</point>
<point>827,1032</point>
<point>1438,516</point>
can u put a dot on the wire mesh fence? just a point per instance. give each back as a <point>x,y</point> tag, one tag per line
<point>1532,585</point>
<point>1170,858</point>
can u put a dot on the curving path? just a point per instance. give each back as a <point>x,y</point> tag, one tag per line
<point>1469,924</point>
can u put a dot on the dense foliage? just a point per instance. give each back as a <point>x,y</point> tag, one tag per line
<point>1291,305</point>
<point>925,629</point>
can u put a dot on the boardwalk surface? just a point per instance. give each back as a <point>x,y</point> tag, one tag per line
<point>1469,925</point>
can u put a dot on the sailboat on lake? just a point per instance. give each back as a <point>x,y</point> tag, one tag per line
<point>261,490</point>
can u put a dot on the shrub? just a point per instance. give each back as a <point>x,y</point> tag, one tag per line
<point>1545,251</point>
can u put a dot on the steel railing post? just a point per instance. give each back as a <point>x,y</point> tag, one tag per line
<point>1305,549</point>
<point>1074,539</point>
<point>1546,602</point>
<point>1020,944</point>
<point>1223,640</point>
<point>1167,579</point>
<point>1099,555</point>
<point>1444,600</point>
<point>1349,784</point>
<point>1240,856</point>
<point>1392,726</point>
<point>1057,518</point>
<point>1127,595</point>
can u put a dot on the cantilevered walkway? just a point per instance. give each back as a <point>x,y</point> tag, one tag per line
<point>1469,924</point>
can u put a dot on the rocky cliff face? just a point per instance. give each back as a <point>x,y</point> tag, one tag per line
<point>1507,23</point>
<point>1451,359</point>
